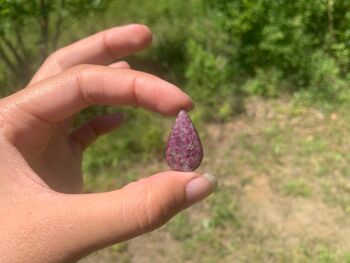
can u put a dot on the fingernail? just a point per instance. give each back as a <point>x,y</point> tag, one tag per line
<point>200,187</point>
<point>192,106</point>
<point>192,103</point>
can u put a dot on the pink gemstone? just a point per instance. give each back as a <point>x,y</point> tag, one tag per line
<point>184,150</point>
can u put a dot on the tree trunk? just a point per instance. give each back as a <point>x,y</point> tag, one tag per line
<point>44,28</point>
<point>59,23</point>
<point>8,62</point>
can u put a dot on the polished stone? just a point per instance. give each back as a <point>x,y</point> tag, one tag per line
<point>184,151</point>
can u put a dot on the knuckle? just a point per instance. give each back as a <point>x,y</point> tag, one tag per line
<point>56,60</point>
<point>107,45</point>
<point>155,211</point>
<point>81,68</point>
<point>83,72</point>
<point>157,207</point>
<point>83,75</point>
<point>148,213</point>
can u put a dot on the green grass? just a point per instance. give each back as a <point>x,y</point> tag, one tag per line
<point>284,192</point>
<point>297,187</point>
<point>178,227</point>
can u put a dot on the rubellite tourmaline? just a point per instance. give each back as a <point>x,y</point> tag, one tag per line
<point>184,150</point>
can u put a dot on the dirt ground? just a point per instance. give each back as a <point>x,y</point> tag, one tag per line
<point>284,193</point>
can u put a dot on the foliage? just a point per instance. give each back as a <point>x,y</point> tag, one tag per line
<point>140,139</point>
<point>220,52</point>
<point>30,30</point>
<point>271,47</point>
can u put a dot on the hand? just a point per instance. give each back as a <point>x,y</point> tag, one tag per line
<point>43,218</point>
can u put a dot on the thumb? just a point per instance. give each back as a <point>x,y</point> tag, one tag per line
<point>102,219</point>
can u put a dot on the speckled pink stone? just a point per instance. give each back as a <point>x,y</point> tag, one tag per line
<point>184,150</point>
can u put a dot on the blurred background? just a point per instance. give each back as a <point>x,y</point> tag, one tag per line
<point>270,80</point>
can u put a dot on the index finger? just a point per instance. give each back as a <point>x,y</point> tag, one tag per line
<point>100,48</point>
<point>65,94</point>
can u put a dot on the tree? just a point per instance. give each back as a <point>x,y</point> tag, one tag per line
<point>30,30</point>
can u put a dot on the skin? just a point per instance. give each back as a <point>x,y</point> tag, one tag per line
<point>44,217</point>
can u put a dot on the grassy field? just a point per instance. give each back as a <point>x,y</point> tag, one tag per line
<point>284,193</point>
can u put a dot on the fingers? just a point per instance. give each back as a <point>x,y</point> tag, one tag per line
<point>60,97</point>
<point>98,220</point>
<point>89,132</point>
<point>101,48</point>
<point>120,65</point>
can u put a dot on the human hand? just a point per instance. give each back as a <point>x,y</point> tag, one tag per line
<point>43,216</point>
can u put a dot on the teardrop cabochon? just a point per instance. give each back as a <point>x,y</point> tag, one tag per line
<point>184,151</point>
